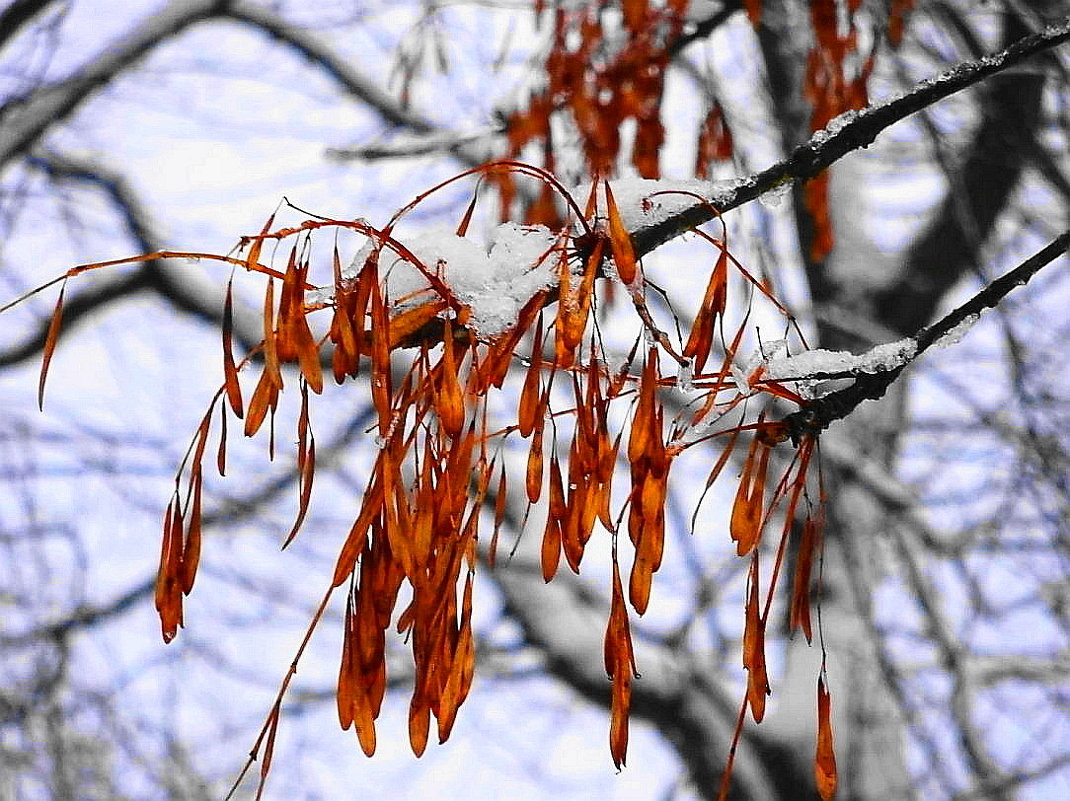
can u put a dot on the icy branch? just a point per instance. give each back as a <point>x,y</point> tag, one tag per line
<point>818,415</point>
<point>829,364</point>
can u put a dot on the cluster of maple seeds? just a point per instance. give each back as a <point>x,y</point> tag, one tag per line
<point>424,531</point>
<point>599,87</point>
<point>433,427</point>
<point>832,89</point>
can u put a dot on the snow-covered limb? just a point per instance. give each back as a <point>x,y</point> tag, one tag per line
<point>494,284</point>
<point>844,134</point>
<point>818,415</point>
<point>831,364</point>
<point>828,364</point>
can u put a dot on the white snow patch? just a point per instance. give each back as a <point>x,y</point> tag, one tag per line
<point>772,198</point>
<point>745,371</point>
<point>685,376</point>
<point>646,202</point>
<point>830,363</point>
<point>700,10</point>
<point>494,283</point>
<point>835,125</point>
<point>955,335</point>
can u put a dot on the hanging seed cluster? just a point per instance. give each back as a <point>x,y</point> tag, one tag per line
<point>439,462</point>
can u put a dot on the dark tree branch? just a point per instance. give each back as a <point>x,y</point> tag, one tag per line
<point>853,131</point>
<point>151,276</point>
<point>469,150</point>
<point>19,14</point>
<point>341,70</point>
<point>112,184</point>
<point>83,617</point>
<point>75,310</point>
<point>230,510</point>
<point>817,416</point>
<point>26,119</point>
<point>850,133</point>
<point>703,29</point>
<point>978,191</point>
<point>674,693</point>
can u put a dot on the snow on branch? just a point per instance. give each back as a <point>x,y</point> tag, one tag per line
<point>872,384</point>
<point>845,134</point>
<point>830,364</point>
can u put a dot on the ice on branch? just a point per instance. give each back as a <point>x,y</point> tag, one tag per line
<point>833,128</point>
<point>756,366</point>
<point>645,203</point>
<point>840,364</point>
<point>955,335</point>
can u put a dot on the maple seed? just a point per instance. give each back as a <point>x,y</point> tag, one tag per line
<point>746,522</point>
<point>230,372</point>
<point>620,241</point>
<point>50,345</point>
<point>825,759</point>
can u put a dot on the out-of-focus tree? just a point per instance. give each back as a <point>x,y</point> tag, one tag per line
<point>943,592</point>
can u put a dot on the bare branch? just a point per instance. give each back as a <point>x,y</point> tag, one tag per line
<point>26,119</point>
<point>84,616</point>
<point>18,14</point>
<point>675,693</point>
<point>981,180</point>
<point>704,28</point>
<point>151,276</point>
<point>75,310</point>
<point>341,70</point>
<point>408,147</point>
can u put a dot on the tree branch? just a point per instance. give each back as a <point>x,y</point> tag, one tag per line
<point>25,120</point>
<point>83,617</point>
<point>316,51</point>
<point>817,416</point>
<point>18,14</point>
<point>76,309</point>
<point>845,134</point>
<point>979,188</point>
<point>705,27</point>
<point>151,276</point>
<point>674,694</point>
